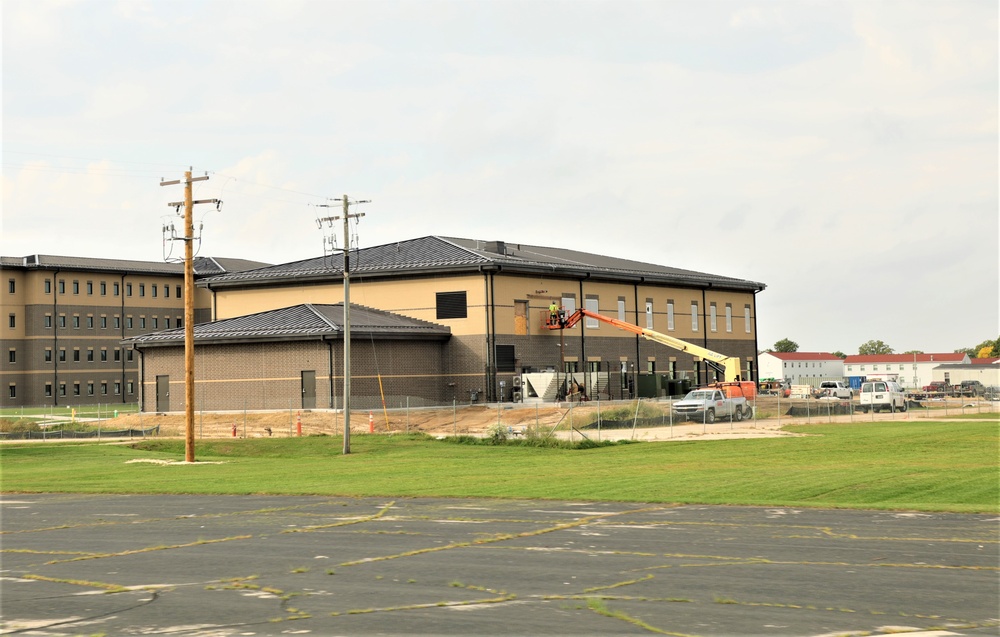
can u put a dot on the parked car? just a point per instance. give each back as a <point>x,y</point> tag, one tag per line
<point>878,395</point>
<point>708,404</point>
<point>936,386</point>
<point>971,388</point>
<point>835,389</point>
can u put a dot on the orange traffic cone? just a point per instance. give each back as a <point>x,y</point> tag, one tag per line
<point>298,424</point>
<point>371,423</point>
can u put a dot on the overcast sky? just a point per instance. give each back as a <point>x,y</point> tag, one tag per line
<point>843,153</point>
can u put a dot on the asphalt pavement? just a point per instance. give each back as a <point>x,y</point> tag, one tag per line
<point>216,566</point>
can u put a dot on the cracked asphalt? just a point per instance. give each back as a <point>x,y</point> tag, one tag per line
<point>277,565</point>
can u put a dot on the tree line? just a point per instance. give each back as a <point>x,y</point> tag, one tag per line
<point>985,349</point>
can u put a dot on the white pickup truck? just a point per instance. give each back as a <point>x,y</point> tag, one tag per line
<point>834,389</point>
<point>705,405</point>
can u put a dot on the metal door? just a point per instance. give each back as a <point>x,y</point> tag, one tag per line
<point>308,389</point>
<point>162,394</point>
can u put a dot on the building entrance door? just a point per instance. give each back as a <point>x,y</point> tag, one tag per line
<point>162,394</point>
<point>308,389</point>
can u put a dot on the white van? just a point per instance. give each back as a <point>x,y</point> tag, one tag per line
<point>882,394</point>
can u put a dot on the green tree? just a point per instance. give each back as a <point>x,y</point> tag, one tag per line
<point>874,347</point>
<point>839,354</point>
<point>913,351</point>
<point>786,345</point>
<point>977,350</point>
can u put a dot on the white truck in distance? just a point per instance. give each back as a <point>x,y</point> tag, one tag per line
<point>705,405</point>
<point>835,389</point>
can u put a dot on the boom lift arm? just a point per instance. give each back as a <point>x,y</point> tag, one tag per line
<point>727,365</point>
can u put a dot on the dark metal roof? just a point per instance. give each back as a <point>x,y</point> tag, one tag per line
<point>203,266</point>
<point>300,322</point>
<point>433,254</point>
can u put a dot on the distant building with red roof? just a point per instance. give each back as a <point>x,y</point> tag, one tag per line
<point>800,368</point>
<point>912,371</point>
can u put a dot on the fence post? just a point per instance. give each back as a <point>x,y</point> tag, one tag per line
<point>407,414</point>
<point>598,416</point>
<point>454,416</point>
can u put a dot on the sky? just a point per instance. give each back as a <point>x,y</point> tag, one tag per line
<point>845,154</point>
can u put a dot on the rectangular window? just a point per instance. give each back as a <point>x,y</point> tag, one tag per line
<point>104,288</point>
<point>90,322</point>
<point>12,356</point>
<point>90,288</point>
<point>746,318</point>
<point>76,356</point>
<point>729,317</point>
<point>153,289</point>
<point>90,355</point>
<point>118,355</point>
<point>128,322</point>
<point>104,356</point>
<point>166,323</point>
<point>156,323</point>
<point>166,291</point>
<point>116,289</point>
<point>90,389</point>
<point>142,289</point>
<point>451,305</point>
<point>10,286</point>
<point>12,320</point>
<point>180,322</point>
<point>47,321</point>
<point>118,388</point>
<point>142,322</point>
<point>670,315</point>
<point>62,321</point>
<point>649,314</point>
<point>62,355</point>
<point>48,286</point>
<point>569,304</point>
<point>128,289</point>
<point>62,389</point>
<point>104,322</point>
<point>104,389</point>
<point>621,308</point>
<point>129,387</point>
<point>712,318</point>
<point>178,290</point>
<point>117,322</point>
<point>48,390</point>
<point>76,321</point>
<point>591,304</point>
<point>12,391</point>
<point>76,389</point>
<point>62,286</point>
<point>48,354</point>
<point>694,316</point>
<point>76,287</point>
<point>128,355</point>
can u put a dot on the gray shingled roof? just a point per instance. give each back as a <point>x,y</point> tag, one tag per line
<point>300,322</point>
<point>203,266</point>
<point>435,254</point>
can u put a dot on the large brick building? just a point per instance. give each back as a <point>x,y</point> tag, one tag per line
<point>493,297</point>
<point>66,318</point>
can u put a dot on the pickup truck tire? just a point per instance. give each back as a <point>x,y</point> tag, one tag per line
<point>738,414</point>
<point>903,408</point>
<point>710,416</point>
<point>748,413</point>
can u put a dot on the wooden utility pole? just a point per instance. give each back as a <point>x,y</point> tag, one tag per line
<point>188,304</point>
<point>346,216</point>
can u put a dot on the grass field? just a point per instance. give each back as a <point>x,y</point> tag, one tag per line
<point>928,466</point>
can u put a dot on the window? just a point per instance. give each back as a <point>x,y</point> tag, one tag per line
<point>12,391</point>
<point>180,322</point>
<point>156,323</point>
<point>142,322</point>
<point>694,316</point>
<point>129,387</point>
<point>712,318</point>
<point>48,286</point>
<point>12,356</point>
<point>128,357</point>
<point>128,289</point>
<point>651,365</point>
<point>62,389</point>
<point>62,321</point>
<point>90,322</point>
<point>104,288</point>
<point>90,389</point>
<point>76,287</point>
<point>104,389</point>
<point>649,313</point>
<point>62,286</point>
<point>118,388</point>
<point>117,322</point>
<point>76,321</point>
<point>178,290</point>
<point>48,390</point>
<point>76,356</point>
<point>76,389</point>
<point>166,291</point>
<point>47,321</point>
<point>569,303</point>
<point>90,288</point>
<point>116,288</point>
<point>104,322</point>
<point>12,320</point>
<point>621,308</point>
<point>142,289</point>
<point>118,355</point>
<point>48,354</point>
<point>729,317</point>
<point>104,355</point>
<point>451,305</point>
<point>152,289</point>
<point>670,315</point>
<point>62,355</point>
<point>90,355</point>
<point>590,303</point>
<point>128,322</point>
<point>746,318</point>
<point>166,323</point>
<point>10,286</point>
